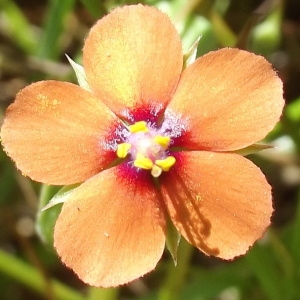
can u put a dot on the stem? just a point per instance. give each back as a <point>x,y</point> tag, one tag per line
<point>30,277</point>
<point>176,275</point>
<point>296,232</point>
<point>103,294</point>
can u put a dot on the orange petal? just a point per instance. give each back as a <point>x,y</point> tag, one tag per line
<point>221,203</point>
<point>111,230</point>
<point>133,57</point>
<point>230,99</point>
<point>55,133</point>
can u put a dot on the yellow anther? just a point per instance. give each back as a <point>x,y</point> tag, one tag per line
<point>163,141</point>
<point>123,149</point>
<point>156,171</point>
<point>139,127</point>
<point>143,162</point>
<point>166,163</point>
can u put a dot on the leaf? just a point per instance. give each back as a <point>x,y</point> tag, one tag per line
<point>293,111</point>
<point>95,7</point>
<point>263,264</point>
<point>223,32</point>
<point>56,20</point>
<point>18,26</point>
<point>266,36</point>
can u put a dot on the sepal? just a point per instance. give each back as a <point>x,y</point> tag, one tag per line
<point>172,240</point>
<point>253,149</point>
<point>190,56</point>
<point>80,73</point>
<point>51,197</point>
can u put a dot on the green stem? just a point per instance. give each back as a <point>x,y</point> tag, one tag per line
<point>103,294</point>
<point>296,233</point>
<point>177,275</point>
<point>30,277</point>
<point>95,7</point>
<point>265,270</point>
<point>287,265</point>
<point>49,46</point>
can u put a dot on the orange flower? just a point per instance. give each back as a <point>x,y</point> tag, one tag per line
<point>149,141</point>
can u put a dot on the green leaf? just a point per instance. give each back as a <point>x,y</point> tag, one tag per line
<point>263,264</point>
<point>18,26</point>
<point>32,278</point>
<point>211,283</point>
<point>95,7</point>
<point>222,31</point>
<point>50,43</point>
<point>293,111</point>
<point>267,34</point>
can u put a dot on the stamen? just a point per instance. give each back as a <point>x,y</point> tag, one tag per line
<point>123,149</point>
<point>166,163</point>
<point>163,141</point>
<point>143,162</point>
<point>146,149</point>
<point>139,127</point>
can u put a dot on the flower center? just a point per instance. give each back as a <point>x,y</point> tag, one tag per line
<point>147,149</point>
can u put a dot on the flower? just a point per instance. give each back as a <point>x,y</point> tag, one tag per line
<point>148,141</point>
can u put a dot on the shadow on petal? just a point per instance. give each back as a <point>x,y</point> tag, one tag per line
<point>186,210</point>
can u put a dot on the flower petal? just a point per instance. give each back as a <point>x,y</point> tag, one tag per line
<point>230,99</point>
<point>111,230</point>
<point>220,202</point>
<point>56,133</point>
<point>133,57</point>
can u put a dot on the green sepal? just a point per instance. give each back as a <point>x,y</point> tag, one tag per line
<point>172,240</point>
<point>190,56</point>
<point>61,196</point>
<point>253,149</point>
<point>51,197</point>
<point>80,73</point>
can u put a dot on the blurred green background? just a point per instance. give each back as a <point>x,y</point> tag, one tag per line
<point>34,37</point>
